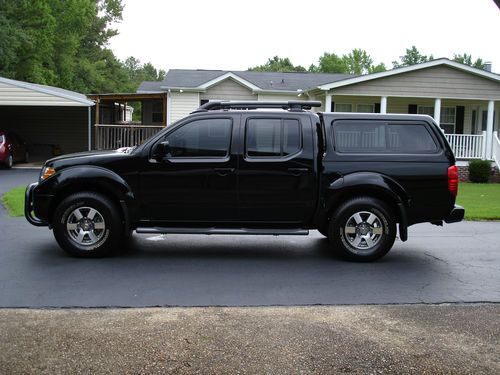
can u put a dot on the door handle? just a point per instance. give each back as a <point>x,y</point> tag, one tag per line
<point>224,171</point>
<point>298,171</point>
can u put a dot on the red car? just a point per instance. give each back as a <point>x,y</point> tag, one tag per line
<point>12,149</point>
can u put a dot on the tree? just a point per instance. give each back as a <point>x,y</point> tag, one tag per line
<point>64,43</point>
<point>330,63</point>
<point>467,60</point>
<point>278,64</point>
<point>358,61</point>
<point>412,57</point>
<point>142,72</point>
<point>377,68</point>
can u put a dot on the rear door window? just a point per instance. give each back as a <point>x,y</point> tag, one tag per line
<point>272,137</point>
<point>382,137</point>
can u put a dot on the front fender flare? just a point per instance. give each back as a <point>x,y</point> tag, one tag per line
<point>84,177</point>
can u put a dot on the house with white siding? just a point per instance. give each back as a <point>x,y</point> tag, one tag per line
<point>463,100</point>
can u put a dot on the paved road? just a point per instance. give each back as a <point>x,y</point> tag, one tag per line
<point>457,263</point>
<point>403,339</point>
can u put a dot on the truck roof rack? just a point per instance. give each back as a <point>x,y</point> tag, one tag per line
<point>292,105</point>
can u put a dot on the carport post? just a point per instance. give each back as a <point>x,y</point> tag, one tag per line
<point>90,128</point>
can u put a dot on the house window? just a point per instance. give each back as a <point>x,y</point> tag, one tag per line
<point>343,107</point>
<point>157,112</point>
<point>426,110</point>
<point>473,121</point>
<point>365,108</point>
<point>484,120</point>
<point>448,117</point>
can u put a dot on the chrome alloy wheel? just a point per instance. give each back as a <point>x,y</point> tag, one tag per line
<point>363,230</point>
<point>85,226</point>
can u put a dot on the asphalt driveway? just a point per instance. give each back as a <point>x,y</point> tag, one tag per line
<point>456,263</point>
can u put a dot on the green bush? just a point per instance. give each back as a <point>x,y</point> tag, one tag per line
<point>479,171</point>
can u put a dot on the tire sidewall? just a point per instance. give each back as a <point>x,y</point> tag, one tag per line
<point>337,229</point>
<point>112,231</point>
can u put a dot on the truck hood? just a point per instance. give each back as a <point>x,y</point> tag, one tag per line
<point>89,157</point>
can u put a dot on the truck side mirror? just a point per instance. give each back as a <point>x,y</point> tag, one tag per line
<point>160,150</point>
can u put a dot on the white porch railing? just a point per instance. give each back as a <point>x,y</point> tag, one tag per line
<point>467,146</point>
<point>496,149</point>
<point>110,137</point>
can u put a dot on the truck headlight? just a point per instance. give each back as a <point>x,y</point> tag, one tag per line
<point>46,173</point>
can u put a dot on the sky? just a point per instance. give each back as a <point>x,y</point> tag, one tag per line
<point>236,35</point>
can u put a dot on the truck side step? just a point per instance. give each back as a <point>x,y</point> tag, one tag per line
<point>251,231</point>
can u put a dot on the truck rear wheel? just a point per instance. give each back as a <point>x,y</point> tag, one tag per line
<point>87,225</point>
<point>362,229</point>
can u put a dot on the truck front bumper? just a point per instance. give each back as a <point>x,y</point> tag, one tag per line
<point>29,211</point>
<point>456,215</point>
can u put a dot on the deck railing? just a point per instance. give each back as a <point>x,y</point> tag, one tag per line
<point>110,137</point>
<point>496,149</point>
<point>467,146</point>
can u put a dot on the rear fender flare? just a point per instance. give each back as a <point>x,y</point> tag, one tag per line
<point>370,184</point>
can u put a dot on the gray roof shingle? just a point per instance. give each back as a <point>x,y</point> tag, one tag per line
<point>276,81</point>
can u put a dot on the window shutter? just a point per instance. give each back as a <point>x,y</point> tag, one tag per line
<point>412,108</point>
<point>377,108</point>
<point>333,106</point>
<point>459,120</point>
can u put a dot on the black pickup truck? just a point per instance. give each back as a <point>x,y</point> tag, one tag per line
<point>271,168</point>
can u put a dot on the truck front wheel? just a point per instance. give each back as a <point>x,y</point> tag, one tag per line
<point>87,225</point>
<point>362,229</point>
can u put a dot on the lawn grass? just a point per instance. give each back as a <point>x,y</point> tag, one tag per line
<point>13,200</point>
<point>481,201</point>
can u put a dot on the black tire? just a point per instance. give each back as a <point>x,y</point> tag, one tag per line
<point>366,237</point>
<point>9,162</point>
<point>88,225</point>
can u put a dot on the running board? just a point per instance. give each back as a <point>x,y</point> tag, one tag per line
<point>251,231</point>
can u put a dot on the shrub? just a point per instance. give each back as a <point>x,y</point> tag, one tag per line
<point>479,171</point>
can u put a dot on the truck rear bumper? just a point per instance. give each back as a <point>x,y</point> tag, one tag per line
<point>456,215</point>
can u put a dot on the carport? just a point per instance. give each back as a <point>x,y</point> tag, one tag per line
<point>50,119</point>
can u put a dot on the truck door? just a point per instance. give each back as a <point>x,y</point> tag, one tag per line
<point>196,181</point>
<point>276,174</point>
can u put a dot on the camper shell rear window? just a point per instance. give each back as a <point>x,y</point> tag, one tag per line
<point>357,136</point>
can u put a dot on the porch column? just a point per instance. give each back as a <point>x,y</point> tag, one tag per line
<point>169,108</point>
<point>437,110</point>
<point>489,129</point>
<point>328,103</point>
<point>383,104</point>
<point>89,127</point>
